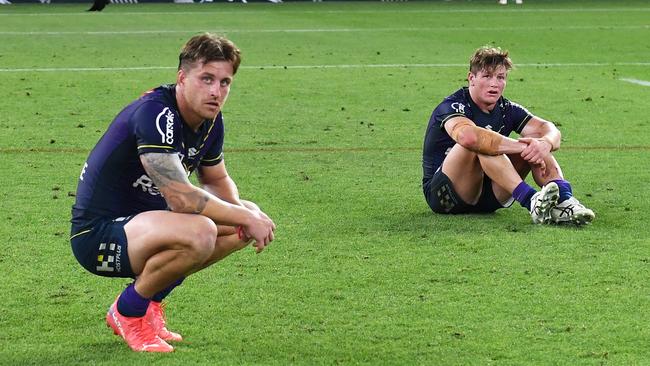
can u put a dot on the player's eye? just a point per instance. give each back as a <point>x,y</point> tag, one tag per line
<point>207,79</point>
<point>225,82</point>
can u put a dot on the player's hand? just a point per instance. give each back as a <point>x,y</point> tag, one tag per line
<point>536,150</point>
<point>260,229</point>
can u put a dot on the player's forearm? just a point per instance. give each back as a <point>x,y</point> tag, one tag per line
<point>553,138</point>
<point>187,198</point>
<point>225,190</point>
<point>488,142</point>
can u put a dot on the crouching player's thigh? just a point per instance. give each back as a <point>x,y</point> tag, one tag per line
<point>442,198</point>
<point>100,246</point>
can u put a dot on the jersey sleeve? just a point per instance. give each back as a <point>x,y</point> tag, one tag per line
<point>518,117</point>
<point>448,109</point>
<point>214,153</point>
<point>157,128</point>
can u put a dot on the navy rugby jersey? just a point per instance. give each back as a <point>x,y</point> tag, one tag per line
<point>506,117</point>
<point>113,182</point>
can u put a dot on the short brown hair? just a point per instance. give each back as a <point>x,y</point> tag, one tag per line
<point>488,58</point>
<point>206,48</point>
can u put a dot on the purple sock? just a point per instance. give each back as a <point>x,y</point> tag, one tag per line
<point>523,193</point>
<point>162,294</point>
<point>131,303</point>
<point>565,189</point>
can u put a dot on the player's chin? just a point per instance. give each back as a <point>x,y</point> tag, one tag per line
<point>493,97</point>
<point>210,113</point>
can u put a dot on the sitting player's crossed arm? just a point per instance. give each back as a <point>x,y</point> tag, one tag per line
<point>481,140</point>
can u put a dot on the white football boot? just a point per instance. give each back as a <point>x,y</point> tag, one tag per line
<point>503,2</point>
<point>543,202</point>
<point>571,211</point>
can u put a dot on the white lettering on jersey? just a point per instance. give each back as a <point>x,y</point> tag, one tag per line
<point>458,107</point>
<point>147,185</point>
<point>167,136</point>
<point>83,171</point>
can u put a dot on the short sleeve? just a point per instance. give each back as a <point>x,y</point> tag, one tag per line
<point>518,116</point>
<point>450,108</point>
<point>157,128</point>
<point>214,153</point>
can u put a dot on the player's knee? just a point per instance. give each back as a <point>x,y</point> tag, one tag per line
<point>203,238</point>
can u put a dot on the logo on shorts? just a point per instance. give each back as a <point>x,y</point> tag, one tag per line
<point>166,119</point>
<point>109,258</point>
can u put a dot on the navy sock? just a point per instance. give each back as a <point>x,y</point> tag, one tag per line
<point>523,193</point>
<point>565,189</point>
<point>162,294</point>
<point>131,303</point>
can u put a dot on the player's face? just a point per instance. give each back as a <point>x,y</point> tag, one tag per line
<point>487,87</point>
<point>204,90</point>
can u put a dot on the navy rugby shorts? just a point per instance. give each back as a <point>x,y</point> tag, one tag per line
<point>442,198</point>
<point>100,246</point>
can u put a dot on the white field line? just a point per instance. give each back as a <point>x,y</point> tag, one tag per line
<point>324,30</point>
<point>392,10</point>
<point>343,66</point>
<point>636,81</point>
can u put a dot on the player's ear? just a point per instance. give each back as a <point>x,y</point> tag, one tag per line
<point>180,76</point>
<point>470,78</point>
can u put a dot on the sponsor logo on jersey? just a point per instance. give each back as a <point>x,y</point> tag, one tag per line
<point>458,107</point>
<point>147,185</point>
<point>165,126</point>
<point>83,171</point>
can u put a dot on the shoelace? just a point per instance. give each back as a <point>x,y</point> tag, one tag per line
<point>141,332</point>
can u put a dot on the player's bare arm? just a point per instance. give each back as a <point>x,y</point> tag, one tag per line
<point>481,140</point>
<point>542,138</point>
<point>216,180</point>
<point>169,176</point>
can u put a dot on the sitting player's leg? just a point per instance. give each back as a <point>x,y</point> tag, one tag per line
<point>507,174</point>
<point>463,169</point>
<point>456,184</point>
<point>568,210</point>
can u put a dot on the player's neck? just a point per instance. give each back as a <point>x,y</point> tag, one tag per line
<point>483,106</point>
<point>192,119</point>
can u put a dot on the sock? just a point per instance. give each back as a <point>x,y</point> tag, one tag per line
<point>565,189</point>
<point>162,294</point>
<point>523,193</point>
<point>131,303</point>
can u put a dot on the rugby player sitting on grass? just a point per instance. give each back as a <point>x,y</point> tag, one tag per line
<point>470,164</point>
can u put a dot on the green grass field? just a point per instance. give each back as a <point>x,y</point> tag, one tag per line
<point>325,124</point>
